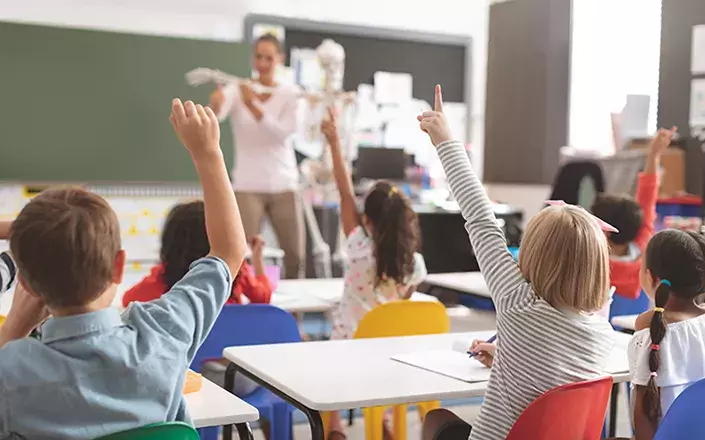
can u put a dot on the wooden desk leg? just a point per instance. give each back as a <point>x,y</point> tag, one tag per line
<point>244,431</point>
<point>613,410</point>
<point>314,417</point>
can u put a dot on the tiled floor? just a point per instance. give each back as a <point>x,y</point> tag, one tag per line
<point>462,320</point>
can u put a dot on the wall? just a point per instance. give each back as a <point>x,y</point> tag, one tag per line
<point>678,19</point>
<point>223,19</point>
<point>528,73</point>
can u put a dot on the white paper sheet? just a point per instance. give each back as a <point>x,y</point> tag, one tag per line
<point>697,56</point>
<point>697,102</point>
<point>447,363</point>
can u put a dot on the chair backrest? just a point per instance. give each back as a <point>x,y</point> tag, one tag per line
<point>157,431</point>
<point>404,318</point>
<point>682,420</point>
<point>625,306</point>
<point>571,177</point>
<point>575,411</point>
<point>251,324</point>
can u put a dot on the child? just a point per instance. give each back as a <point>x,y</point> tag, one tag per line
<point>184,241</point>
<point>7,266</point>
<point>667,352</point>
<point>381,248</point>
<point>634,219</point>
<point>548,334</point>
<point>94,372</point>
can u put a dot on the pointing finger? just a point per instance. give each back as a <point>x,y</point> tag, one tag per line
<point>438,102</point>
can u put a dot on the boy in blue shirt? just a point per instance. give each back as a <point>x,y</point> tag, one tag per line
<point>94,372</point>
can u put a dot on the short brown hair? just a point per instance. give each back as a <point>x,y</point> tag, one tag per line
<point>65,242</point>
<point>565,256</point>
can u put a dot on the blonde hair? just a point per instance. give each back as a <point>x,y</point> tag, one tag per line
<point>565,256</point>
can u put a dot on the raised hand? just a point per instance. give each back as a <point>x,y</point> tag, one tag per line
<point>434,122</point>
<point>257,245</point>
<point>663,140</point>
<point>329,127</point>
<point>197,127</point>
<point>658,146</point>
<point>246,92</point>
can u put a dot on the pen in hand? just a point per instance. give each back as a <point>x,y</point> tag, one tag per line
<point>489,341</point>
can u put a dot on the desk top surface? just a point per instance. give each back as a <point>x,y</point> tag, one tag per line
<point>304,371</point>
<point>627,322</point>
<point>466,282</point>
<point>213,406</point>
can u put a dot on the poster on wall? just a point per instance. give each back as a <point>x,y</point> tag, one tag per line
<point>697,102</point>
<point>697,56</point>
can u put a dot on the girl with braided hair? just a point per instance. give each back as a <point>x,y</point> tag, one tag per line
<point>667,352</point>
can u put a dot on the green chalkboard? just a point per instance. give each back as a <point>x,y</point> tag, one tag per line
<point>92,106</point>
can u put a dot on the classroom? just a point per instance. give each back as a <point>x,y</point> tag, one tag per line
<point>279,220</point>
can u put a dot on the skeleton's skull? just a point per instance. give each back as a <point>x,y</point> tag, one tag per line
<point>331,55</point>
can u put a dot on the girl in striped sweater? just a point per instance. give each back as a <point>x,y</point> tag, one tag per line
<point>548,332</point>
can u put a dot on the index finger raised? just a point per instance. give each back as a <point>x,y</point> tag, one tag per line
<point>438,101</point>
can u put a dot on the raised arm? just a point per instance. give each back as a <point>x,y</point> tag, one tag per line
<point>198,129</point>
<point>648,183</point>
<point>188,311</point>
<point>489,244</point>
<point>348,205</point>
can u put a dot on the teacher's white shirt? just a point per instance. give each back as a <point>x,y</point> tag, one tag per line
<point>265,161</point>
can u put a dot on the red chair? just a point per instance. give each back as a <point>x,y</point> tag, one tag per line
<point>575,411</point>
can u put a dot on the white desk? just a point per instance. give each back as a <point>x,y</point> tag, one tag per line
<point>213,406</point>
<point>331,375</point>
<point>627,322</point>
<point>472,283</point>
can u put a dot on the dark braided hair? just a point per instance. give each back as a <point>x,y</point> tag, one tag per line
<point>395,232</point>
<point>184,240</point>
<point>677,258</point>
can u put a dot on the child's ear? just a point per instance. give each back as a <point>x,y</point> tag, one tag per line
<point>653,280</point>
<point>25,286</point>
<point>119,268</point>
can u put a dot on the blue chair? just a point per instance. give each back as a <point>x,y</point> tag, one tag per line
<point>625,306</point>
<point>683,419</point>
<point>252,324</point>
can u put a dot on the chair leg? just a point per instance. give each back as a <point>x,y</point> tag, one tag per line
<point>280,425</point>
<point>399,417</point>
<point>426,407</point>
<point>374,418</point>
<point>325,418</point>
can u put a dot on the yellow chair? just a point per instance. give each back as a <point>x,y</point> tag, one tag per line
<point>400,318</point>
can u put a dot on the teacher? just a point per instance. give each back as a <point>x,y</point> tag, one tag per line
<point>265,177</point>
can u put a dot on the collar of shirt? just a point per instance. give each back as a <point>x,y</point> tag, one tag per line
<point>55,329</point>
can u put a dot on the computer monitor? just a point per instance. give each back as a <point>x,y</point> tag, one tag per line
<point>381,163</point>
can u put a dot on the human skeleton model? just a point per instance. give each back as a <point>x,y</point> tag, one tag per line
<point>317,173</point>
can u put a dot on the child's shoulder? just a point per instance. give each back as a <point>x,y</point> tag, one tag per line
<point>643,321</point>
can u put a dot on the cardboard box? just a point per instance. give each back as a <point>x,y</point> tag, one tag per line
<point>672,167</point>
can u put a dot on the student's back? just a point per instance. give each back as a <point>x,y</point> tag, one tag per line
<point>667,352</point>
<point>94,372</point>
